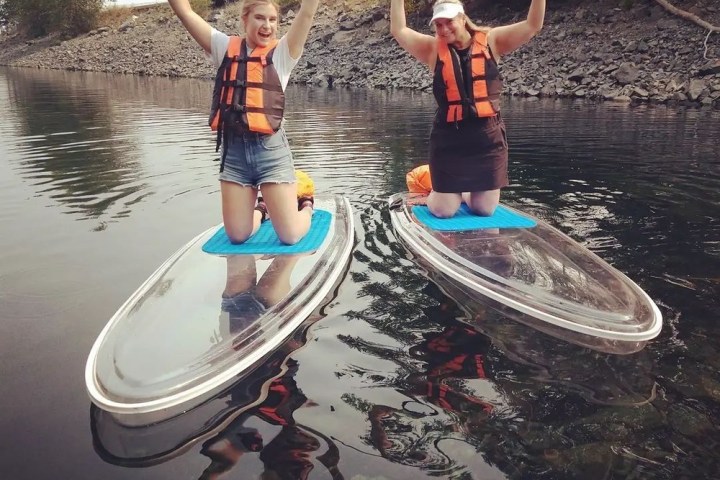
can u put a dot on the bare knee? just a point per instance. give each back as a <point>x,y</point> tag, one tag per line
<point>289,238</point>
<point>442,211</point>
<point>484,203</point>
<point>483,210</point>
<point>237,235</point>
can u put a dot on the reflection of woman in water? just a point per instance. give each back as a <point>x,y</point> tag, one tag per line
<point>455,353</point>
<point>246,298</point>
<point>289,454</point>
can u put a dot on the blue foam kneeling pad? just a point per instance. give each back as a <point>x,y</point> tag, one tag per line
<point>266,241</point>
<point>465,219</point>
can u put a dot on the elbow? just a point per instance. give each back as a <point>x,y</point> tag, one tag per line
<point>534,28</point>
<point>396,32</point>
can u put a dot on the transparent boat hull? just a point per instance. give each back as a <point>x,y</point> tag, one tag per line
<point>175,342</point>
<point>537,271</point>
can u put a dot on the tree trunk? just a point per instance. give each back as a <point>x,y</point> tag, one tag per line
<point>688,16</point>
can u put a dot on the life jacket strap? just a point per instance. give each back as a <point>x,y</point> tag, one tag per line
<point>468,101</point>
<point>483,54</point>
<point>244,109</point>
<point>242,59</point>
<point>246,84</point>
<point>462,101</point>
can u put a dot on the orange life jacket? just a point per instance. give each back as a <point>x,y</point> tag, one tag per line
<point>450,85</point>
<point>248,95</point>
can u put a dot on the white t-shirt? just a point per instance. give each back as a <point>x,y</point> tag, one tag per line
<point>282,60</point>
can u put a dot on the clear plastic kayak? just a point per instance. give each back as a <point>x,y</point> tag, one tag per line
<point>201,321</point>
<point>537,271</point>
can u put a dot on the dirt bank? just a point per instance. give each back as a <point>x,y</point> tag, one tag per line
<point>597,51</point>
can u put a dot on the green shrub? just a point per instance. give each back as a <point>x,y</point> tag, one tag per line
<point>80,16</point>
<point>41,17</point>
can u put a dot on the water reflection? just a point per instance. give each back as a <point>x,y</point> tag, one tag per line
<point>637,185</point>
<point>81,140</point>
<point>247,297</point>
<point>526,402</point>
<point>359,139</point>
<point>240,421</point>
<point>292,452</point>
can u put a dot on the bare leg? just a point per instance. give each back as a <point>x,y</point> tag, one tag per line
<point>443,205</point>
<point>482,203</point>
<point>281,200</point>
<point>241,274</point>
<point>239,216</point>
<point>275,282</point>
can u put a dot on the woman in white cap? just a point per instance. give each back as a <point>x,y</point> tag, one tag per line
<point>468,144</point>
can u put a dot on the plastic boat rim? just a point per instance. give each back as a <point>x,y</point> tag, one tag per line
<point>212,384</point>
<point>410,233</point>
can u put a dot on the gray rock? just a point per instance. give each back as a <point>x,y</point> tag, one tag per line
<point>686,50</point>
<point>631,47</point>
<point>127,24</point>
<point>666,24</point>
<point>710,68</point>
<point>347,26</point>
<point>547,90</point>
<point>382,25</point>
<point>609,69</point>
<point>576,75</point>
<point>627,73</point>
<point>696,89</point>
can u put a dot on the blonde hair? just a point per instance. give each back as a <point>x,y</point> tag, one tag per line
<point>248,5</point>
<point>469,24</point>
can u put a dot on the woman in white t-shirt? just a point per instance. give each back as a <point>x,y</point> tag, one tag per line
<point>247,112</point>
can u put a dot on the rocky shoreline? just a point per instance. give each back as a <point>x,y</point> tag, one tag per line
<point>598,52</point>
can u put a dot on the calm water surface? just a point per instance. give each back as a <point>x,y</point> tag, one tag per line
<point>102,178</point>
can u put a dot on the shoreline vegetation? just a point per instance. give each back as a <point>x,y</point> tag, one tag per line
<point>606,50</point>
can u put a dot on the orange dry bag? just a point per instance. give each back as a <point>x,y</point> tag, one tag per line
<point>305,184</point>
<point>418,180</point>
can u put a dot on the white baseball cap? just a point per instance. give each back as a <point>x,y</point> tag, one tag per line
<point>446,10</point>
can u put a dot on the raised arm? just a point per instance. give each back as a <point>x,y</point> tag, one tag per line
<point>415,43</point>
<point>298,33</point>
<point>508,38</point>
<point>196,26</point>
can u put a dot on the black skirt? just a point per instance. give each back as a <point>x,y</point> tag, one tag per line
<point>469,156</point>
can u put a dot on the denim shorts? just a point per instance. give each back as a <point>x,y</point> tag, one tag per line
<point>253,159</point>
<point>243,310</point>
